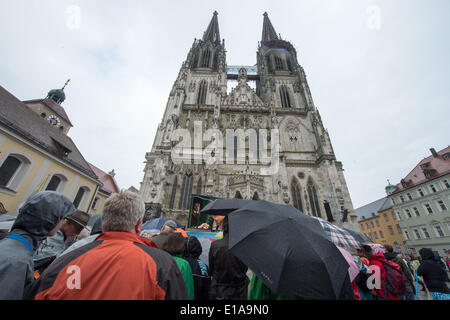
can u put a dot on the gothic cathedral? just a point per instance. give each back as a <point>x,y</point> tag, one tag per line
<point>250,132</point>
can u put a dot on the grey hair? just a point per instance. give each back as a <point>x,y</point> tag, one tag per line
<point>122,211</point>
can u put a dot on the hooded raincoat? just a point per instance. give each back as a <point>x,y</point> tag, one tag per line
<point>202,281</point>
<point>432,272</point>
<point>37,217</point>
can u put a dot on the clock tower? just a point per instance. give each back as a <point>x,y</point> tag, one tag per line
<point>50,109</point>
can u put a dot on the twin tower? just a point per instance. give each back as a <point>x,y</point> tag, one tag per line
<point>250,132</point>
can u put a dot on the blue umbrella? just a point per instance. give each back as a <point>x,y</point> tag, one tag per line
<point>158,223</point>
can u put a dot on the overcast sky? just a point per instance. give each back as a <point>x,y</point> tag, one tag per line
<point>378,72</point>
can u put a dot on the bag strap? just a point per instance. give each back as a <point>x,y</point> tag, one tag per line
<point>20,238</point>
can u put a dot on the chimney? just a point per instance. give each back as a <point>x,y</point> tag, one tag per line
<point>433,152</point>
<point>112,173</point>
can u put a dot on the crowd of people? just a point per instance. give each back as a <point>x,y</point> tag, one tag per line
<point>50,254</point>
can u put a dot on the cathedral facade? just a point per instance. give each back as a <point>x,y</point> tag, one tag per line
<point>250,132</point>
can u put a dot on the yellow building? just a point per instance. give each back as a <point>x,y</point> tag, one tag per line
<point>37,154</point>
<point>377,221</point>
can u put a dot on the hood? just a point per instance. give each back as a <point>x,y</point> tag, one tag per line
<point>40,214</point>
<point>378,256</point>
<point>390,255</point>
<point>426,254</point>
<point>192,247</point>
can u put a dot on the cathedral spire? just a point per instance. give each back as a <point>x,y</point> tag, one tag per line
<point>268,33</point>
<point>212,33</point>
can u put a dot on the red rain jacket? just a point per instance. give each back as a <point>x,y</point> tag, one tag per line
<point>117,265</point>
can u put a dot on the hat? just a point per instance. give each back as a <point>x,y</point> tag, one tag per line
<point>79,217</point>
<point>171,224</point>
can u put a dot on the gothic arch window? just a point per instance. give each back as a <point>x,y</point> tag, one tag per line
<point>216,61</point>
<point>199,186</point>
<point>269,64</point>
<point>202,90</point>
<point>313,200</point>
<point>288,61</point>
<point>285,98</point>
<point>296,195</point>
<point>205,58</point>
<point>173,193</point>
<point>255,196</point>
<point>186,191</point>
<point>278,63</point>
<point>238,195</point>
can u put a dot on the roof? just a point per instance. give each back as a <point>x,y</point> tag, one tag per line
<point>268,33</point>
<point>17,117</point>
<point>212,33</point>
<point>437,167</point>
<point>109,183</point>
<point>56,108</point>
<point>367,211</point>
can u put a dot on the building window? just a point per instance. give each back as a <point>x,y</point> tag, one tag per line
<point>408,213</point>
<point>409,196</point>
<point>206,58</point>
<point>394,216</point>
<point>296,195</point>
<point>425,233</point>
<point>416,211</point>
<point>438,231</point>
<point>417,234</point>
<point>385,217</point>
<point>375,235</point>
<point>54,183</point>
<point>446,184</point>
<point>398,228</point>
<point>199,186</point>
<point>371,224</point>
<point>402,199</point>
<point>186,191</point>
<point>79,197</point>
<point>377,223</point>
<point>278,63</point>
<point>202,90</point>
<point>391,231</point>
<point>285,98</point>
<point>433,189</point>
<point>173,193</point>
<point>406,234</point>
<point>313,201</point>
<point>381,234</point>
<point>367,225</point>
<point>421,192</point>
<point>95,203</point>
<point>428,208</point>
<point>441,205</point>
<point>8,169</point>
<point>399,217</point>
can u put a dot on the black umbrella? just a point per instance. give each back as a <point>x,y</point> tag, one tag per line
<point>288,251</point>
<point>224,206</point>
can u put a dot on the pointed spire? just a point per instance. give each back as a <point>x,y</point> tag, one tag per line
<point>212,33</point>
<point>269,32</point>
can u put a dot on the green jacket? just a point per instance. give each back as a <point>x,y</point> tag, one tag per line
<point>259,291</point>
<point>186,271</point>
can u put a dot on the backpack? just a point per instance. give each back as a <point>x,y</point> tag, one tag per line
<point>361,280</point>
<point>395,283</point>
